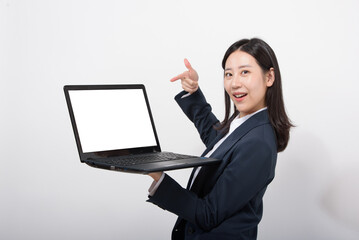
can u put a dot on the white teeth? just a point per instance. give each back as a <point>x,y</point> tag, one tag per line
<point>241,95</point>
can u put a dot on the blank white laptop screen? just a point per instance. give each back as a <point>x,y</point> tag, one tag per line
<point>112,119</point>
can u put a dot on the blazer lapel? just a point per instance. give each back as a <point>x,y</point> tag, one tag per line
<point>208,174</point>
<point>204,154</point>
<point>211,145</point>
<point>254,121</point>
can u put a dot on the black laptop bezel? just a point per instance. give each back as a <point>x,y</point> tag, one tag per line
<point>110,153</point>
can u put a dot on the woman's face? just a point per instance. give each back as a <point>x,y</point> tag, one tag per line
<point>245,82</point>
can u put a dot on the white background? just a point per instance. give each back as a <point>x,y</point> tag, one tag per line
<point>46,193</point>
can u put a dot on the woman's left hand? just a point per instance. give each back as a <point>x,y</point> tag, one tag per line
<point>156,175</point>
<point>189,78</point>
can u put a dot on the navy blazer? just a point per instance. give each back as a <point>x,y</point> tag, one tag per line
<point>225,201</point>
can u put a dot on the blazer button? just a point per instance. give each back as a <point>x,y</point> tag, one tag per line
<point>191,230</point>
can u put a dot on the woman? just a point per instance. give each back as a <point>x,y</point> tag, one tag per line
<point>225,201</point>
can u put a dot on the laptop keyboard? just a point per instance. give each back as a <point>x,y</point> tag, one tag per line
<point>145,158</point>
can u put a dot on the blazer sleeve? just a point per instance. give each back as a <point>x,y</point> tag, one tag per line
<point>200,113</point>
<point>248,172</point>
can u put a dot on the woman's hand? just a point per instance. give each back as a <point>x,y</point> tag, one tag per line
<point>155,175</point>
<point>189,78</point>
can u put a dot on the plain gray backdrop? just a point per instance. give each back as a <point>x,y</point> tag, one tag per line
<point>46,193</point>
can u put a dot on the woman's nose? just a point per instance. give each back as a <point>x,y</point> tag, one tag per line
<point>236,82</point>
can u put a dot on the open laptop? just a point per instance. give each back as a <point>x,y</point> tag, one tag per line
<point>114,129</point>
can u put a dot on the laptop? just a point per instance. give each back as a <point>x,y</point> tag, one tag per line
<point>114,130</point>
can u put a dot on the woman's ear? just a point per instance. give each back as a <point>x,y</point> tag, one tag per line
<point>270,77</point>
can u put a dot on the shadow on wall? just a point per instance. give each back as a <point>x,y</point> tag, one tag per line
<point>340,198</point>
<point>335,192</point>
<point>300,193</point>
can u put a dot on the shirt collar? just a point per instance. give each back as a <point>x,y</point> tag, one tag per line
<point>240,120</point>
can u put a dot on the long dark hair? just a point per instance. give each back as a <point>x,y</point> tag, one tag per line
<point>266,59</point>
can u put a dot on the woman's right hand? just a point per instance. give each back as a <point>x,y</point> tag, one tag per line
<point>189,78</point>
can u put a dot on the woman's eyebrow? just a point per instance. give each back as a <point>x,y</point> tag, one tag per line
<point>239,67</point>
<point>244,66</point>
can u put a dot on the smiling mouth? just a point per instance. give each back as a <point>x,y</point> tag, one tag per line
<point>240,95</point>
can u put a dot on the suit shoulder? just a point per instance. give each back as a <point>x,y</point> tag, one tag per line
<point>261,135</point>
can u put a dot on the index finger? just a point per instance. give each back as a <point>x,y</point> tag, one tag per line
<point>182,75</point>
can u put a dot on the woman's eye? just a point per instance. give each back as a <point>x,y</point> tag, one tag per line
<point>244,72</point>
<point>227,74</point>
